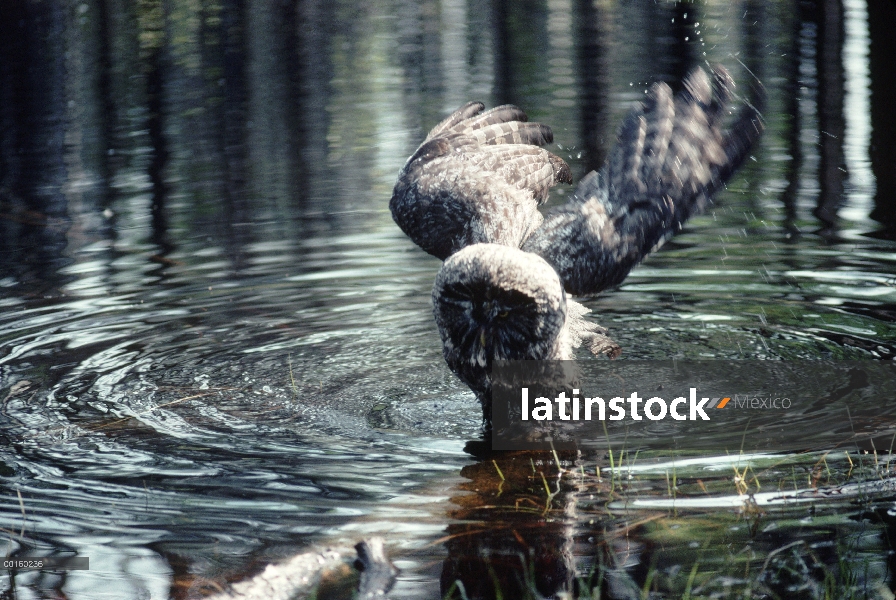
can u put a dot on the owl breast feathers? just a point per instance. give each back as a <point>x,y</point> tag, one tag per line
<point>471,192</point>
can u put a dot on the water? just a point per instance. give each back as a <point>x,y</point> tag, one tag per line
<point>216,348</point>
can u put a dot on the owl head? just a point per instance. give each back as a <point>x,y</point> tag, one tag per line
<point>496,302</point>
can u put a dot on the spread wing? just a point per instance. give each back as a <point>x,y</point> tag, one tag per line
<point>477,178</point>
<point>670,157</point>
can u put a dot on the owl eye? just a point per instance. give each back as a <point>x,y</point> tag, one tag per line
<point>503,314</point>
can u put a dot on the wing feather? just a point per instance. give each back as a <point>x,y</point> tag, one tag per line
<point>524,167</point>
<point>465,112</point>
<point>499,114</point>
<point>477,178</point>
<point>514,132</point>
<point>671,156</point>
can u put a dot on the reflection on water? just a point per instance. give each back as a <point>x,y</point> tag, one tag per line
<point>216,348</point>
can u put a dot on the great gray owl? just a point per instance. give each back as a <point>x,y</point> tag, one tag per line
<point>470,193</point>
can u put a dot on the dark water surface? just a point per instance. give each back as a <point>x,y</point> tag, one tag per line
<point>216,348</point>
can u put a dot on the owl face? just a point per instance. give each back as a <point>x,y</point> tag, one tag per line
<point>496,302</point>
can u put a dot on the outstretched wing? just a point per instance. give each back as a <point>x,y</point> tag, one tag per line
<point>670,157</point>
<point>477,178</point>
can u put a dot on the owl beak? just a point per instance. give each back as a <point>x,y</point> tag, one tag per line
<point>482,336</point>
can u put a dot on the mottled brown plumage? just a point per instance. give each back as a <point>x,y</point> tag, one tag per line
<point>477,178</point>
<point>471,191</point>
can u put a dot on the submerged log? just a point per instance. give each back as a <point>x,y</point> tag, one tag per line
<point>308,573</point>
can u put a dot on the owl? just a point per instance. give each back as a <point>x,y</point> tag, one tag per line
<point>470,196</point>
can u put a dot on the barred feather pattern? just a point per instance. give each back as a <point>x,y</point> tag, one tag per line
<point>470,193</point>
<point>478,177</point>
<point>671,156</point>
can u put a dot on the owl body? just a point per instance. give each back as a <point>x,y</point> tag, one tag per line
<point>470,195</point>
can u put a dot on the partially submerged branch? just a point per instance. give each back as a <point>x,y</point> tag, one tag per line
<point>305,573</point>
